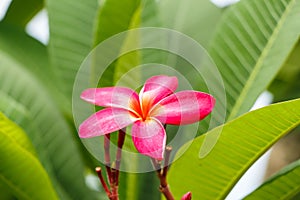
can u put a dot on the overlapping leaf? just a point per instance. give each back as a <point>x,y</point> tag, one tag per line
<point>283,185</point>
<point>71,37</point>
<point>242,141</point>
<point>20,170</point>
<point>45,126</point>
<point>251,44</point>
<point>197,19</point>
<point>34,56</point>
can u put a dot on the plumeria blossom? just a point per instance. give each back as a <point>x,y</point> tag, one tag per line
<point>148,111</point>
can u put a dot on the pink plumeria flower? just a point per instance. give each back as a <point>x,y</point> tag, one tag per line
<point>148,111</point>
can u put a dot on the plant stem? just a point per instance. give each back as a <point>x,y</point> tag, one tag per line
<point>107,157</point>
<point>116,170</point>
<point>98,170</point>
<point>167,160</point>
<point>162,175</point>
<point>121,140</point>
<point>113,170</point>
<point>114,186</point>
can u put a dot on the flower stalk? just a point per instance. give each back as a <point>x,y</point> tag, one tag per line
<point>112,169</point>
<point>162,174</point>
<point>121,140</point>
<point>105,187</point>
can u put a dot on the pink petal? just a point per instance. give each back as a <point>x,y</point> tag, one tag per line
<point>149,138</point>
<point>184,107</point>
<point>158,87</point>
<point>105,121</point>
<point>119,97</point>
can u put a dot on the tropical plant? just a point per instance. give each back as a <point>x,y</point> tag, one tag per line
<point>254,44</point>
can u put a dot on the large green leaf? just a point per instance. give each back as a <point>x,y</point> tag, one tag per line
<point>20,12</point>
<point>15,110</point>
<point>20,169</point>
<point>251,44</point>
<point>45,126</point>
<point>11,130</point>
<point>5,194</point>
<point>71,37</point>
<point>34,56</point>
<point>283,185</point>
<point>34,60</point>
<point>114,17</point>
<point>194,18</point>
<point>241,142</point>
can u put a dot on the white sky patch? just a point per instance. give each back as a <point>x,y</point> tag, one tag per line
<point>4,4</point>
<point>92,182</point>
<point>38,27</point>
<point>223,3</point>
<point>264,99</point>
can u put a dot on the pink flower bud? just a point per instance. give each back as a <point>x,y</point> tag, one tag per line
<point>187,196</point>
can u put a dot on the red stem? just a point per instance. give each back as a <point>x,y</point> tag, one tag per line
<point>98,170</point>
<point>162,175</point>
<point>166,192</point>
<point>121,140</point>
<point>167,160</point>
<point>107,157</point>
<point>113,186</point>
<point>113,169</point>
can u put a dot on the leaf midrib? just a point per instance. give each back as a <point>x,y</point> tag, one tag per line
<point>260,61</point>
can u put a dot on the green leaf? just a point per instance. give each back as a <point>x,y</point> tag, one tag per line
<point>114,17</point>
<point>21,115</point>
<point>132,59</point>
<point>197,19</point>
<point>20,170</point>
<point>32,60</point>
<point>15,110</point>
<point>16,134</point>
<point>283,185</point>
<point>241,142</point>
<point>286,84</point>
<point>34,56</point>
<point>251,44</point>
<point>46,127</point>
<point>5,194</point>
<point>21,12</point>
<point>71,37</point>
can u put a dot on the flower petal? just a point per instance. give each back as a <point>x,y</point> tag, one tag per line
<point>149,138</point>
<point>105,121</point>
<point>158,87</point>
<point>119,97</point>
<point>184,107</point>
